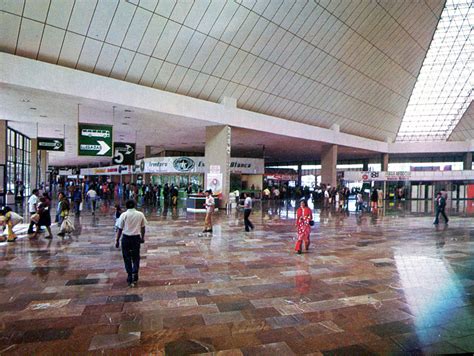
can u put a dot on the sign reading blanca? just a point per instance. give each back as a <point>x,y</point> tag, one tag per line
<point>196,165</point>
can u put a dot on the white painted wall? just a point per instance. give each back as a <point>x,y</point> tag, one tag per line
<point>28,73</point>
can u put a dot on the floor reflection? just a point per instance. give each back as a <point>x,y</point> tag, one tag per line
<point>385,281</point>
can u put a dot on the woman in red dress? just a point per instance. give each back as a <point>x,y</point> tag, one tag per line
<point>303,218</point>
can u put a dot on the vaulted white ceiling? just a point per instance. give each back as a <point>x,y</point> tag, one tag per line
<point>352,63</point>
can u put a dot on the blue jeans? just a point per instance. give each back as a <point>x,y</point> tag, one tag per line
<point>131,256</point>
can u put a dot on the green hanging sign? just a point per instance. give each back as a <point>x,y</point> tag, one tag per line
<point>50,144</point>
<point>94,140</point>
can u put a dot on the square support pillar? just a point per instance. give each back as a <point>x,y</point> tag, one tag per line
<point>328,165</point>
<point>43,168</point>
<point>217,160</point>
<point>147,176</point>
<point>35,170</point>
<point>365,165</point>
<point>467,161</point>
<point>384,162</point>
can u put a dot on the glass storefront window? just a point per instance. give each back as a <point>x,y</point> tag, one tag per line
<point>18,161</point>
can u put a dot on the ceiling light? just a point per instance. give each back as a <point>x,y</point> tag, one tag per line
<point>32,108</point>
<point>25,100</point>
<point>127,117</point>
<point>124,124</point>
<point>128,110</point>
<point>43,115</point>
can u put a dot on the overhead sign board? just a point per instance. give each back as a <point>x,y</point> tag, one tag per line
<point>196,165</point>
<point>124,153</point>
<point>94,140</point>
<point>109,171</point>
<point>50,144</point>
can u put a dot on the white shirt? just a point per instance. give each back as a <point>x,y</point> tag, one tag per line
<point>131,222</point>
<point>32,203</point>
<point>248,203</point>
<point>210,204</point>
<point>92,194</point>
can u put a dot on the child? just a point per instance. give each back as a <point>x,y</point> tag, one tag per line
<point>10,219</point>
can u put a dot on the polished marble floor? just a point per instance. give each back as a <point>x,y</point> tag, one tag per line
<point>374,283</point>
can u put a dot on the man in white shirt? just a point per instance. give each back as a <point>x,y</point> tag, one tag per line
<point>247,211</point>
<point>132,230</point>
<point>209,210</point>
<point>32,207</point>
<point>92,195</point>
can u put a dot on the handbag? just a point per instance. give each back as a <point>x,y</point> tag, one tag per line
<point>311,223</point>
<point>67,226</point>
<point>35,218</point>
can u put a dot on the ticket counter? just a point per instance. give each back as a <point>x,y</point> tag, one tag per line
<point>196,203</point>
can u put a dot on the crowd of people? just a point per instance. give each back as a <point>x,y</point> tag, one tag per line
<point>130,224</point>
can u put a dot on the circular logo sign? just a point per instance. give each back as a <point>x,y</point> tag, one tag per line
<point>142,166</point>
<point>365,177</point>
<point>183,164</point>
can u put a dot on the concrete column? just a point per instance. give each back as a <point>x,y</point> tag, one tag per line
<point>328,165</point>
<point>43,178</point>
<point>365,165</point>
<point>467,164</point>
<point>217,155</point>
<point>300,174</point>
<point>384,162</point>
<point>34,169</point>
<point>147,176</point>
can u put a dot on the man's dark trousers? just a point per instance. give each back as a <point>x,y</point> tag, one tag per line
<point>440,210</point>
<point>131,256</point>
<point>248,224</point>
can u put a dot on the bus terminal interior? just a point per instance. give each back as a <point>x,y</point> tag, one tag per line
<point>236,177</point>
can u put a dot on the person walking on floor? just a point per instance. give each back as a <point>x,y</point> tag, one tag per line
<point>440,208</point>
<point>92,195</point>
<point>132,231</point>
<point>209,205</point>
<point>77,199</point>
<point>247,212</point>
<point>304,218</point>
<point>44,216</point>
<point>374,197</point>
<point>32,207</point>
<point>64,208</point>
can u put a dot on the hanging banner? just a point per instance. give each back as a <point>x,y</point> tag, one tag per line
<point>50,144</point>
<point>107,171</point>
<point>124,153</point>
<point>357,176</point>
<point>196,165</point>
<point>94,140</point>
<point>214,182</point>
